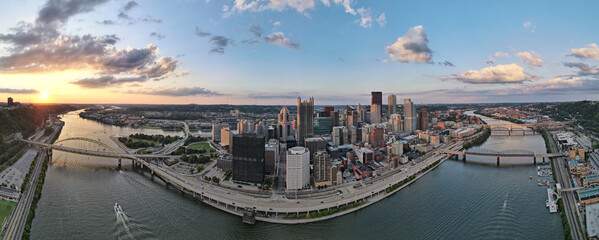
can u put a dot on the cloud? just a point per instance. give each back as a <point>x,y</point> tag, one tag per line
<point>150,19</point>
<point>40,47</point>
<point>200,33</point>
<point>130,5</point>
<point>18,91</point>
<point>176,92</point>
<point>280,39</point>
<point>495,56</point>
<point>219,43</point>
<point>413,46</point>
<point>447,63</point>
<point>591,51</point>
<point>347,5</point>
<point>382,20</point>
<point>106,81</point>
<point>365,20</point>
<point>182,73</point>
<point>531,58</point>
<point>276,24</point>
<point>583,69</point>
<point>511,73</point>
<point>529,26</point>
<point>157,35</point>
<point>107,22</point>
<point>256,30</point>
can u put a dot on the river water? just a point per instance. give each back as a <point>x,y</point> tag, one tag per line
<point>457,200</point>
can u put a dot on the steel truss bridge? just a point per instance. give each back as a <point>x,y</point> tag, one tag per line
<point>511,153</point>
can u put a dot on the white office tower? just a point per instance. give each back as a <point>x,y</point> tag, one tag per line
<point>298,168</point>
<point>409,116</point>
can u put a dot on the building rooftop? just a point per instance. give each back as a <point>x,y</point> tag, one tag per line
<point>592,212</point>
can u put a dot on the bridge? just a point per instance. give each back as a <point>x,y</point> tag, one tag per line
<point>108,152</point>
<point>511,153</point>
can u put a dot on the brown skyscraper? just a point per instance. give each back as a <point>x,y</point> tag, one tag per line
<point>376,112</point>
<point>422,119</point>
<point>305,120</point>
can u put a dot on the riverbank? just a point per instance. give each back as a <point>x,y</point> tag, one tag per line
<point>279,211</point>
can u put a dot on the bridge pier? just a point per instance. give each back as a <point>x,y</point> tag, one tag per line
<point>498,161</point>
<point>543,159</point>
<point>464,157</point>
<point>534,160</point>
<point>119,163</point>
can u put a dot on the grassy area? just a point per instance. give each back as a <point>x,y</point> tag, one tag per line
<point>200,146</point>
<point>5,208</point>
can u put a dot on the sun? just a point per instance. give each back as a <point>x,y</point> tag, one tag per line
<point>44,96</point>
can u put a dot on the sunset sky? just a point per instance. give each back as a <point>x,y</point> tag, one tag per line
<point>273,51</point>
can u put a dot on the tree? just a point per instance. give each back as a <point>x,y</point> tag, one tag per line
<point>191,170</point>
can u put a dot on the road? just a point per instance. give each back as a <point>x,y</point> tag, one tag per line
<point>18,218</point>
<point>568,198</point>
<point>347,192</point>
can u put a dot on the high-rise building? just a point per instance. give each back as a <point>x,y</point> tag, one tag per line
<point>284,130</point>
<point>248,158</point>
<point>322,169</point>
<point>351,117</point>
<point>377,137</point>
<point>376,105</point>
<point>216,129</point>
<point>361,113</point>
<point>392,104</point>
<point>422,119</point>
<point>329,109</point>
<point>322,125</point>
<point>226,137</point>
<point>298,168</point>
<point>305,119</point>
<point>10,102</point>
<point>271,156</point>
<point>409,115</point>
<point>338,135</point>
<point>397,124</point>
<point>245,126</point>
<point>314,145</point>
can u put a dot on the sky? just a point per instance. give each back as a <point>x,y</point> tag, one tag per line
<point>274,51</point>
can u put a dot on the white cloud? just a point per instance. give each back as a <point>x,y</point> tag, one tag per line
<point>382,20</point>
<point>365,20</point>
<point>182,73</point>
<point>511,73</point>
<point>529,26</point>
<point>413,46</point>
<point>531,58</point>
<point>591,51</point>
<point>347,5</point>
<point>276,24</point>
<point>496,55</point>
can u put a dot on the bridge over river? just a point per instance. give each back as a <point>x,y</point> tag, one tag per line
<point>511,153</point>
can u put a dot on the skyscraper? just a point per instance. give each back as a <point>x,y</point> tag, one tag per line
<point>305,119</point>
<point>248,158</point>
<point>322,169</point>
<point>298,168</point>
<point>284,125</point>
<point>322,125</point>
<point>422,119</point>
<point>392,104</point>
<point>376,107</point>
<point>409,115</point>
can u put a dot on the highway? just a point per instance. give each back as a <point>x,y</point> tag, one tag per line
<point>568,198</point>
<point>18,218</point>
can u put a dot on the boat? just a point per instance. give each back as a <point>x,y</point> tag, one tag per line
<point>546,203</point>
<point>117,208</point>
<point>539,182</point>
<point>530,177</point>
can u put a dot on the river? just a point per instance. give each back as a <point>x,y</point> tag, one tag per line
<point>457,200</point>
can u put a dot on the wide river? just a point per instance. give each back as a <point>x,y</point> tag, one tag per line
<point>455,201</point>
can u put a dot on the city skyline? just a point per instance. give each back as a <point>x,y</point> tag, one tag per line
<point>272,52</point>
